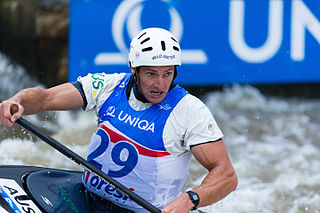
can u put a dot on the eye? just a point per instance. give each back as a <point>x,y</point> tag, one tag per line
<point>168,74</point>
<point>150,74</point>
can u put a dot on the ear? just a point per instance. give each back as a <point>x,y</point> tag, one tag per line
<point>133,70</point>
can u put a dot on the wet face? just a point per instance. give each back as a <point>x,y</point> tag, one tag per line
<point>154,82</point>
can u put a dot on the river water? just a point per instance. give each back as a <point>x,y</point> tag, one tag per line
<point>273,144</point>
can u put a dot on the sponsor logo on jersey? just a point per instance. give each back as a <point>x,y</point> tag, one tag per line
<point>96,184</point>
<point>131,120</point>
<point>97,82</point>
<point>164,106</point>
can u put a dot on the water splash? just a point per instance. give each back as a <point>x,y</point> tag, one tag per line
<point>273,144</point>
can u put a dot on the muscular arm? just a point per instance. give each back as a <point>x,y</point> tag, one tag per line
<point>34,100</point>
<point>220,181</point>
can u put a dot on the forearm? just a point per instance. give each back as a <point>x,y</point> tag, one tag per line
<point>219,182</point>
<point>32,99</point>
<point>61,97</point>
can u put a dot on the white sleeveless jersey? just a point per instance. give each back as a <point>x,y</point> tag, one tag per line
<point>145,147</point>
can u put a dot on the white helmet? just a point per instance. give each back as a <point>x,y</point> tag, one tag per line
<point>154,47</point>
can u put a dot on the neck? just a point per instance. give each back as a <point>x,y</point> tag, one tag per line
<point>137,93</point>
<point>132,84</point>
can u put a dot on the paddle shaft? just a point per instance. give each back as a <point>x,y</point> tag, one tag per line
<point>79,160</point>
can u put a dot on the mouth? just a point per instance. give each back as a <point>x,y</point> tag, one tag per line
<point>155,96</point>
<point>156,93</point>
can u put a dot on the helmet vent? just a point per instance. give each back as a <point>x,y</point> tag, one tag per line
<point>147,39</point>
<point>142,35</point>
<point>163,45</point>
<point>174,39</point>
<point>176,48</point>
<point>146,49</point>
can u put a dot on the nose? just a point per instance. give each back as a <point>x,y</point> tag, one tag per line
<point>160,83</point>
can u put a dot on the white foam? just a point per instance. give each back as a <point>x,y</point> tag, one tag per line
<point>273,144</point>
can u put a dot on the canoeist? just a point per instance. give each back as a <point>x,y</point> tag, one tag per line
<point>148,129</point>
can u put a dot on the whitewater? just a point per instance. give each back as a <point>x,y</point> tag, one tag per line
<point>273,144</point>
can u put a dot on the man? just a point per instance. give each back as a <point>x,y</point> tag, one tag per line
<point>149,128</point>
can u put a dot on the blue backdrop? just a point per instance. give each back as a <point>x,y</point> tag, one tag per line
<point>223,41</point>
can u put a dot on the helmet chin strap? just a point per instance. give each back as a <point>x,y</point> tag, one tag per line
<point>136,90</point>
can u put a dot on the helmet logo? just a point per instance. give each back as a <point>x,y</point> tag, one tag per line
<point>169,57</point>
<point>137,54</point>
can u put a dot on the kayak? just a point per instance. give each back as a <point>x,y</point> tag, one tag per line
<point>33,189</point>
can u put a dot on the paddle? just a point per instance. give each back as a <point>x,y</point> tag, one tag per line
<point>82,162</point>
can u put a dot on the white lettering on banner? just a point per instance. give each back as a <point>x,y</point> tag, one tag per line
<point>130,12</point>
<point>301,19</point>
<point>236,33</point>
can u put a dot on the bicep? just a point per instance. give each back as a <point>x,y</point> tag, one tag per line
<point>63,97</point>
<point>211,154</point>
